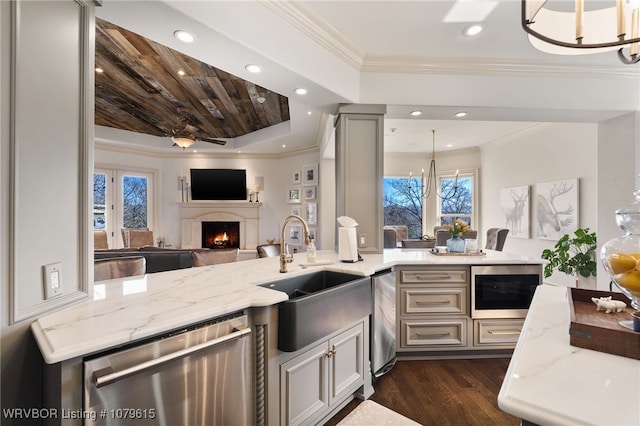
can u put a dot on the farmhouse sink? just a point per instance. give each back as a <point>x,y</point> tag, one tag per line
<point>319,304</point>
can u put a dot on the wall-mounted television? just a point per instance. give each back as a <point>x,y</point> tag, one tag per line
<point>218,184</point>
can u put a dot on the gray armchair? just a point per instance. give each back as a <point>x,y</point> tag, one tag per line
<point>496,238</point>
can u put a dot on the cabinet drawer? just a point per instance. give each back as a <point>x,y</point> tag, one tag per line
<point>497,331</point>
<point>433,332</point>
<point>439,300</point>
<point>434,276</point>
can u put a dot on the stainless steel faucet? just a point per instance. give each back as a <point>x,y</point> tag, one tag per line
<point>285,256</point>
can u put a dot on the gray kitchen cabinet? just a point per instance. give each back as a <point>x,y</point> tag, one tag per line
<point>434,315</point>
<point>433,308</point>
<point>499,332</point>
<point>314,382</point>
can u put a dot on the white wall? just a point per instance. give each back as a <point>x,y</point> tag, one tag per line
<point>277,173</point>
<point>551,152</point>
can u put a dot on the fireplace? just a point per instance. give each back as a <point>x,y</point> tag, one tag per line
<point>220,235</point>
<point>195,213</point>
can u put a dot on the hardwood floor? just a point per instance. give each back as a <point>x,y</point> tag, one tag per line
<point>442,392</point>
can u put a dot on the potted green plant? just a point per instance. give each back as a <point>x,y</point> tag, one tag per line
<point>573,255</point>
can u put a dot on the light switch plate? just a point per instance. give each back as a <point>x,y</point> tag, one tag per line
<point>52,279</point>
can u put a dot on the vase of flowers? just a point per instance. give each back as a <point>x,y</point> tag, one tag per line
<point>458,227</point>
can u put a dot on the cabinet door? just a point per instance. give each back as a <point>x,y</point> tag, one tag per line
<point>346,363</point>
<point>303,386</point>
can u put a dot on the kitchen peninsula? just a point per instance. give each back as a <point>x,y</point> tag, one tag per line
<point>564,384</point>
<point>124,311</point>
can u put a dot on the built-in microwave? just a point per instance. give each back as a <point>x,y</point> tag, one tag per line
<point>503,291</point>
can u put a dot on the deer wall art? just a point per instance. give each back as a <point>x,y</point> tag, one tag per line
<point>556,208</point>
<point>514,203</point>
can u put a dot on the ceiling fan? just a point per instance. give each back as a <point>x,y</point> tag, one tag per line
<point>184,134</point>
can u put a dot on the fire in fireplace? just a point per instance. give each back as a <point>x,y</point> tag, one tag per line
<point>219,235</point>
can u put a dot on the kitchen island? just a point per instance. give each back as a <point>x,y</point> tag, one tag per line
<point>124,312</point>
<point>129,309</point>
<point>551,382</point>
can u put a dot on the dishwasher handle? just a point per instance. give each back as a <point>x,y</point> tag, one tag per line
<point>107,376</point>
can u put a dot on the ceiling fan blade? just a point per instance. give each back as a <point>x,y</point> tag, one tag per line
<point>212,140</point>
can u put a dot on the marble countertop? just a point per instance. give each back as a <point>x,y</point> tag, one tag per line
<point>126,310</point>
<point>551,382</point>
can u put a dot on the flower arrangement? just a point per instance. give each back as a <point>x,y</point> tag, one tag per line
<point>458,227</point>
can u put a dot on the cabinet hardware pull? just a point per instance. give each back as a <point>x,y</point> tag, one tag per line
<point>331,353</point>
<point>433,334</point>
<point>433,302</point>
<point>504,332</point>
<point>433,277</point>
<point>107,376</point>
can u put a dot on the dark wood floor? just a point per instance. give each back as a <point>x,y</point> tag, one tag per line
<point>443,392</point>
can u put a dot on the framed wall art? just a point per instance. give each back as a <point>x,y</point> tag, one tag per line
<point>514,210</point>
<point>294,194</point>
<point>294,235</point>
<point>310,174</point>
<point>296,177</point>
<point>556,208</point>
<point>310,193</point>
<point>295,210</point>
<point>311,213</point>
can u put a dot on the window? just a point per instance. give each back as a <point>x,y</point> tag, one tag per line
<point>457,204</point>
<point>403,204</point>
<point>122,199</point>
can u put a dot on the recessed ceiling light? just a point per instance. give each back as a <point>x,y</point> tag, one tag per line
<point>309,113</point>
<point>183,36</point>
<point>284,146</point>
<point>473,30</point>
<point>416,113</point>
<point>181,72</point>
<point>99,70</point>
<point>301,91</point>
<point>253,68</point>
<point>460,114</point>
<point>449,145</point>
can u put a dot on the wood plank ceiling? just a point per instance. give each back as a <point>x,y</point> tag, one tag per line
<point>141,91</point>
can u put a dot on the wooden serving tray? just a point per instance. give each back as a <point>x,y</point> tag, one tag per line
<point>597,330</point>
<point>480,253</point>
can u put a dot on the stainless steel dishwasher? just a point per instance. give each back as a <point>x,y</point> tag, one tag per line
<point>383,328</point>
<point>197,376</point>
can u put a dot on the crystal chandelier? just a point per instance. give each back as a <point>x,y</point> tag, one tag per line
<point>580,27</point>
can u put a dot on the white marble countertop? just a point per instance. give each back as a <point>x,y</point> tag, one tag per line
<point>550,382</point>
<point>125,310</point>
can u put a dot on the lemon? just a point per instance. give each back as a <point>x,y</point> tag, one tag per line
<point>630,281</point>
<point>621,262</point>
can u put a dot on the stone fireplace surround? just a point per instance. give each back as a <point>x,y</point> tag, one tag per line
<point>194,213</point>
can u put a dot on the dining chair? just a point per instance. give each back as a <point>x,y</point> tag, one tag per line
<point>390,238</point>
<point>496,238</point>
<point>100,241</point>
<point>215,256</point>
<point>268,250</point>
<point>118,267</point>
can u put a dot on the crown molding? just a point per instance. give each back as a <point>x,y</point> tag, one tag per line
<point>490,66</point>
<point>538,127</point>
<point>317,29</point>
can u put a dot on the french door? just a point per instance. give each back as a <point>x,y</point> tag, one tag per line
<point>122,199</point>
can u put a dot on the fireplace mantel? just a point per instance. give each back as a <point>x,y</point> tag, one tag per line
<point>194,213</point>
<point>220,205</point>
